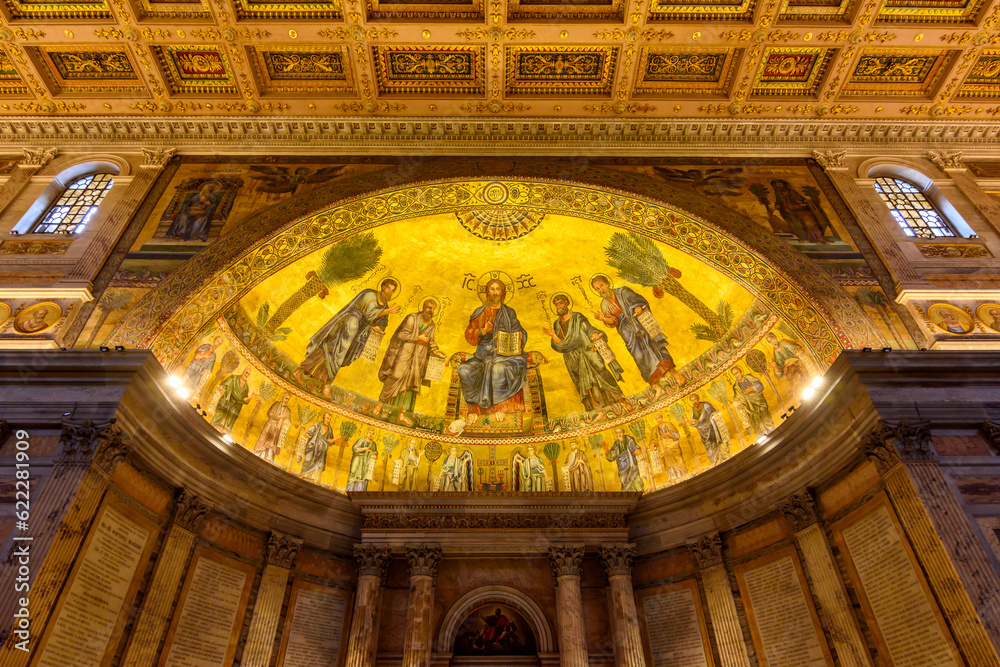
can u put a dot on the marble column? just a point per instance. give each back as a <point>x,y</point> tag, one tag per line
<point>617,561</point>
<point>34,159</point>
<point>281,553</point>
<point>870,220</point>
<point>417,643</point>
<point>362,643</point>
<point>90,453</point>
<point>958,570</point>
<point>566,564</point>
<point>112,227</point>
<point>951,164</point>
<point>835,610</point>
<point>721,604</point>
<point>154,615</point>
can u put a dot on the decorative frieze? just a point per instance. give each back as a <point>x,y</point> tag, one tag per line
<point>492,522</point>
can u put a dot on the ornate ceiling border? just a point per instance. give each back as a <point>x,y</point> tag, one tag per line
<point>530,136</point>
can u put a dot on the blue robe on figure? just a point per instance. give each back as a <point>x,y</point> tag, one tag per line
<point>650,354</point>
<point>341,340</point>
<point>488,378</point>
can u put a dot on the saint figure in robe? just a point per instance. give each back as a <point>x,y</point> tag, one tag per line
<point>532,472</point>
<point>402,371</point>
<point>750,401</point>
<point>318,439</point>
<point>235,394</point>
<point>364,453</point>
<point>624,453</point>
<point>703,418</point>
<point>342,339</point>
<point>272,436</point>
<point>491,382</point>
<point>581,477</point>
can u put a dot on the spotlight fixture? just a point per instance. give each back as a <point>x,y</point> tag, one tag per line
<point>791,409</point>
<point>67,414</point>
<point>784,415</point>
<point>14,232</point>
<point>866,349</point>
<point>923,349</point>
<point>887,349</point>
<point>204,414</point>
<point>119,348</point>
<point>762,439</point>
<point>197,406</point>
<point>105,348</point>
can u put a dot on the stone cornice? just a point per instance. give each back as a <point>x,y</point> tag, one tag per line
<point>469,134</point>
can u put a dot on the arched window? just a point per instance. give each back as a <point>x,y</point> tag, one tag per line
<point>911,209</point>
<point>75,206</point>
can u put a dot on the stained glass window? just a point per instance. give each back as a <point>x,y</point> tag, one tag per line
<point>911,209</point>
<point>76,205</point>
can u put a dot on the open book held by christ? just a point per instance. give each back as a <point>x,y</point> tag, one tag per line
<point>508,343</point>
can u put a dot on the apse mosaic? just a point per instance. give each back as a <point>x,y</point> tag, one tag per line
<point>485,336</point>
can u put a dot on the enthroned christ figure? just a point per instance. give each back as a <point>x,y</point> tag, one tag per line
<point>493,382</point>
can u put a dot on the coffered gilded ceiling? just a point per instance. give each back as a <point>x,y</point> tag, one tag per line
<point>658,60</point>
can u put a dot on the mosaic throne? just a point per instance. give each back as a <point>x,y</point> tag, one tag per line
<point>530,421</point>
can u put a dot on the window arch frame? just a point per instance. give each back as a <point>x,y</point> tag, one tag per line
<point>59,184</point>
<point>928,190</point>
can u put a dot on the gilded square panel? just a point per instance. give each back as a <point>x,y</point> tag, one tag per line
<point>172,9</point>
<point>90,70</point>
<point>11,82</point>
<point>195,69</point>
<point>413,70</point>
<point>686,71</point>
<point>409,10</point>
<point>302,69</point>
<point>903,72</point>
<point>695,10</point>
<point>930,11</point>
<point>38,9</point>
<point>792,71</point>
<point>817,10</point>
<point>561,70</point>
<point>581,10</point>
<point>279,9</point>
<point>983,79</point>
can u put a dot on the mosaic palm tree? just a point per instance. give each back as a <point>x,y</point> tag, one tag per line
<point>343,262</point>
<point>551,451</point>
<point>389,443</point>
<point>108,304</point>
<point>874,299</point>
<point>639,261</point>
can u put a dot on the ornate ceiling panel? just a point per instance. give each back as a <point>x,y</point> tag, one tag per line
<point>449,60</point>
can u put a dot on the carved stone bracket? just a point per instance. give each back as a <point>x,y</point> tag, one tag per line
<point>423,560</point>
<point>282,550</point>
<point>990,431</point>
<point>157,158</point>
<point>373,561</point>
<point>565,561</point>
<point>191,511</point>
<point>830,159</point>
<point>946,160</point>
<point>37,157</point>
<point>707,551</point>
<point>617,559</point>
<point>800,510</point>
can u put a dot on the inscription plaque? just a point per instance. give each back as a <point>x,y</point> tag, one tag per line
<point>895,594</point>
<point>674,625</point>
<point>783,621</point>
<point>87,617</point>
<point>316,628</point>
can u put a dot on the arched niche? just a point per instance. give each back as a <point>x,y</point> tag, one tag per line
<point>495,594</point>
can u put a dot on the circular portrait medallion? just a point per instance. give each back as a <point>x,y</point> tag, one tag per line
<point>37,318</point>
<point>950,319</point>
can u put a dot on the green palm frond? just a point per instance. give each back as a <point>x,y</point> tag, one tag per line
<point>347,428</point>
<point>595,441</point>
<point>551,451</point>
<point>717,390</point>
<point>262,314</point>
<point>638,429</point>
<point>704,332</point>
<point>349,259</point>
<point>677,412</point>
<point>726,313</point>
<point>635,259</point>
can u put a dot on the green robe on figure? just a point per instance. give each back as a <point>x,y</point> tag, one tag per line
<point>235,391</point>
<point>624,453</point>
<point>532,475</point>
<point>595,383</point>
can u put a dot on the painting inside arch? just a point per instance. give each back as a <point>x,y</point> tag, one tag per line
<point>495,630</point>
<point>499,350</point>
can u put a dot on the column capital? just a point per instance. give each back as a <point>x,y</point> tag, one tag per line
<point>565,561</point>
<point>990,430</point>
<point>707,551</point>
<point>37,157</point>
<point>423,560</point>
<point>831,160</point>
<point>617,559</point>
<point>373,561</point>
<point>190,511</point>
<point>88,441</point>
<point>800,510</point>
<point>282,550</point>
<point>912,439</point>
<point>946,160</point>
<point>157,158</point>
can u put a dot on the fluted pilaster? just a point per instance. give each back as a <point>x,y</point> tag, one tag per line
<point>567,563</point>
<point>363,641</point>
<point>617,561</point>
<point>281,553</point>
<point>707,553</point>
<point>417,642</point>
<point>34,159</point>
